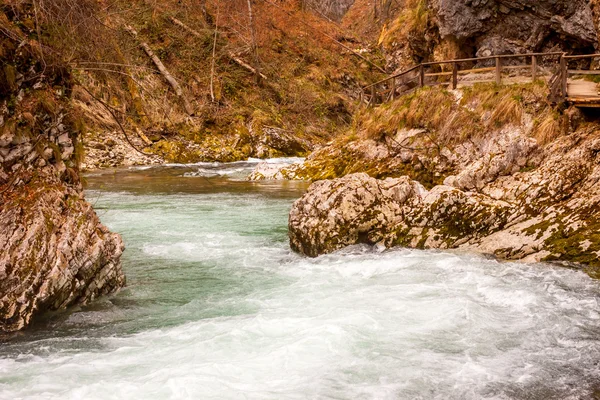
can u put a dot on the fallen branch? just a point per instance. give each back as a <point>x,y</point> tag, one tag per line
<point>242,64</point>
<point>163,70</point>
<point>111,112</point>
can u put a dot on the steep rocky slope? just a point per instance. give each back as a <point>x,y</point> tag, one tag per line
<point>54,250</point>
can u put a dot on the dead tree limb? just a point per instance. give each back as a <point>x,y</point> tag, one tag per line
<point>212,61</point>
<point>243,64</point>
<point>163,71</point>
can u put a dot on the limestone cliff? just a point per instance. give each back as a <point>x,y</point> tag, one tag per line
<point>426,30</point>
<point>54,252</point>
<point>512,27</point>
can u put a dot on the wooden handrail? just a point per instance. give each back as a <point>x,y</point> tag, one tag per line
<point>558,82</point>
<point>462,60</point>
<point>393,76</point>
<point>487,58</point>
<point>575,57</point>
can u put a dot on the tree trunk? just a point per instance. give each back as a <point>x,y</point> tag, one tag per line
<point>253,38</point>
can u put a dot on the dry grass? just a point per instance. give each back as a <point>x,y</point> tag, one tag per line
<point>309,76</point>
<point>547,130</point>
<point>507,110</point>
<point>412,21</point>
<point>431,109</point>
<point>483,108</point>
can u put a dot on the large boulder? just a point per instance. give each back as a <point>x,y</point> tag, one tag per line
<point>496,203</point>
<point>360,209</point>
<point>55,253</point>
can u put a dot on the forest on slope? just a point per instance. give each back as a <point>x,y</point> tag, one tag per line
<point>252,79</point>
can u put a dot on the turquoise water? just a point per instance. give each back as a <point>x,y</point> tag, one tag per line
<point>218,307</point>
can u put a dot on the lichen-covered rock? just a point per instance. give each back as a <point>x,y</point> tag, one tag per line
<point>349,210</point>
<point>54,250</point>
<point>266,171</point>
<point>273,142</point>
<point>360,209</point>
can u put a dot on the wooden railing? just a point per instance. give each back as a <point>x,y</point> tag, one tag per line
<point>447,72</point>
<point>559,83</point>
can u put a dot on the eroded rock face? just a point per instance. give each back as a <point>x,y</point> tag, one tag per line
<point>54,252</point>
<point>524,188</point>
<point>360,209</point>
<point>551,213</point>
<point>517,26</point>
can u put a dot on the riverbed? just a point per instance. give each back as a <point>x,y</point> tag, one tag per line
<point>217,306</point>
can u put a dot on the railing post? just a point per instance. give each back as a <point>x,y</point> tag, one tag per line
<point>373,92</point>
<point>454,76</point>
<point>498,71</point>
<point>564,76</point>
<point>393,88</point>
<point>421,75</point>
<point>533,68</point>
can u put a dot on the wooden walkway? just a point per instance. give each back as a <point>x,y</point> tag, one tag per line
<point>573,86</point>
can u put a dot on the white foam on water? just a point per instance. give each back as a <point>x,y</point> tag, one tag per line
<point>218,307</point>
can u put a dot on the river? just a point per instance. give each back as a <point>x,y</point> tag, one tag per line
<point>217,306</point>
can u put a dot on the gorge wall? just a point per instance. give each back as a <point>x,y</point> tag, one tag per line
<point>54,250</point>
<point>428,30</point>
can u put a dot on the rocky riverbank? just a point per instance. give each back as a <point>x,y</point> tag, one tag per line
<point>55,252</point>
<point>525,187</point>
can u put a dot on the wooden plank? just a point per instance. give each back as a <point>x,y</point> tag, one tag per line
<point>580,105</point>
<point>438,74</point>
<point>583,72</point>
<point>579,57</point>
<point>476,70</point>
<point>533,68</point>
<point>422,75</point>
<point>580,88</point>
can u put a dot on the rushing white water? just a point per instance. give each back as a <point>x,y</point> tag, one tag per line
<point>218,307</point>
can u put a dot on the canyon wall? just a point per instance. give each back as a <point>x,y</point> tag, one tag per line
<point>54,250</point>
